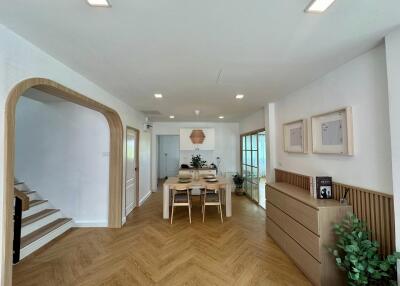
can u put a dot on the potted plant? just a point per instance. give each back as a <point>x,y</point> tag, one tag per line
<point>359,257</point>
<point>238,180</point>
<point>197,163</point>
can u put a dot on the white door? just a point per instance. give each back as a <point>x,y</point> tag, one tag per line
<point>131,171</point>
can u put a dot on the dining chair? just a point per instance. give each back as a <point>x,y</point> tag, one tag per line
<point>211,196</point>
<point>181,197</point>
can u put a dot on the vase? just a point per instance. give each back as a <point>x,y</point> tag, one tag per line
<point>196,175</point>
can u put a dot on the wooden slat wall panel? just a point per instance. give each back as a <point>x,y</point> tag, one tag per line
<point>298,180</point>
<point>375,208</point>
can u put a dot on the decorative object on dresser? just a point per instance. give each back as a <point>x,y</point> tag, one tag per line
<point>295,136</point>
<point>359,257</point>
<point>238,181</point>
<point>323,187</point>
<point>302,226</point>
<point>332,132</point>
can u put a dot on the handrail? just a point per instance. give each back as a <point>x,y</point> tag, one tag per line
<point>24,199</point>
<point>21,204</point>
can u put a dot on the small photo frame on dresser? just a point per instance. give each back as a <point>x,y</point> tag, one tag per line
<point>332,132</point>
<point>323,187</point>
<point>295,136</point>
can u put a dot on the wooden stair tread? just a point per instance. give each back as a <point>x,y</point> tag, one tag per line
<point>33,203</point>
<point>37,216</point>
<point>28,239</point>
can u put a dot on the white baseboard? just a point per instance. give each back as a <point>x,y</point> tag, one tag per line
<point>44,240</point>
<point>141,202</point>
<point>82,223</point>
<point>123,220</point>
<point>129,209</point>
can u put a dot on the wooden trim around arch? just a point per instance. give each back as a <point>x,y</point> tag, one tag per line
<point>115,168</point>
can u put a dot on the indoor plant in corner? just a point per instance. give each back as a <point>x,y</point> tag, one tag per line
<point>238,180</point>
<point>359,257</point>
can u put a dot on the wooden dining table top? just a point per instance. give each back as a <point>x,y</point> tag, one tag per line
<point>171,181</point>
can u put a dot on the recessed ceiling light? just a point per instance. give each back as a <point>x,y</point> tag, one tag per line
<point>158,95</point>
<point>99,3</point>
<point>197,112</point>
<point>221,117</point>
<point>319,6</point>
<point>239,96</point>
<point>172,116</point>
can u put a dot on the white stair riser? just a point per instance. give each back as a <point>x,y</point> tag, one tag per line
<point>38,224</point>
<point>33,196</point>
<point>44,240</point>
<point>21,187</point>
<point>35,209</point>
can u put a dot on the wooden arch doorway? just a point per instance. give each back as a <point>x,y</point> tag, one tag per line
<point>115,163</point>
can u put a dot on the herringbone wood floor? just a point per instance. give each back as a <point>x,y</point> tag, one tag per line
<point>150,251</point>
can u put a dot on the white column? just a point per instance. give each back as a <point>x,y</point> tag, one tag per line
<point>270,144</point>
<point>392,42</point>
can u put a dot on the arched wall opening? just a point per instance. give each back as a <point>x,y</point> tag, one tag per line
<point>115,155</point>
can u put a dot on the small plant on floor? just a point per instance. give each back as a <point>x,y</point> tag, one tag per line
<point>197,162</point>
<point>238,180</point>
<point>359,257</point>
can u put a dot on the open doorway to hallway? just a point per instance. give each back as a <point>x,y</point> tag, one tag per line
<point>168,156</point>
<point>114,161</point>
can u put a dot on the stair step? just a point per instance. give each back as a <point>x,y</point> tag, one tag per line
<point>41,232</point>
<point>35,206</point>
<point>31,194</point>
<point>37,216</point>
<point>36,202</point>
<point>38,220</point>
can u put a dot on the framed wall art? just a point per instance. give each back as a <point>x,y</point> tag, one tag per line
<point>332,132</point>
<point>295,136</point>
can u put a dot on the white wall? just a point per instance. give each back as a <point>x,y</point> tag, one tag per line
<point>19,59</point>
<point>361,84</point>
<point>393,72</point>
<point>62,153</point>
<point>252,122</point>
<point>226,144</point>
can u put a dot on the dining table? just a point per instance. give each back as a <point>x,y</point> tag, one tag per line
<point>223,183</point>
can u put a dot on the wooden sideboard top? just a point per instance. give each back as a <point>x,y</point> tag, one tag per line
<point>193,169</point>
<point>303,196</point>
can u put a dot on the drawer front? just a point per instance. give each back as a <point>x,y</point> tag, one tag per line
<point>307,239</point>
<point>302,213</point>
<point>310,267</point>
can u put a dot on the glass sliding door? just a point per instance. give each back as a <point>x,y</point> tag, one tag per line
<point>253,162</point>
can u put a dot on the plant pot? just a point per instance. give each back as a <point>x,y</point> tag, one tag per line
<point>239,191</point>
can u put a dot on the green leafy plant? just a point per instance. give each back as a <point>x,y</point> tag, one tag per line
<point>238,180</point>
<point>359,257</point>
<point>197,162</point>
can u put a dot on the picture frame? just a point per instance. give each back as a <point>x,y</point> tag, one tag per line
<point>295,137</point>
<point>332,132</point>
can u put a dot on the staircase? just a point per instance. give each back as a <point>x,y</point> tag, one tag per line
<point>40,223</point>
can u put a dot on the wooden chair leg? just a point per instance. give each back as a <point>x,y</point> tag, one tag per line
<point>190,215</point>
<point>204,206</point>
<point>222,220</point>
<point>172,214</point>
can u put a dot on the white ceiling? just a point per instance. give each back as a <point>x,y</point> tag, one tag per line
<point>200,53</point>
